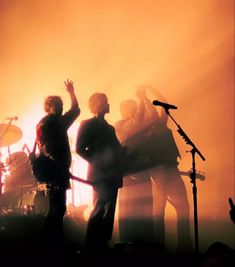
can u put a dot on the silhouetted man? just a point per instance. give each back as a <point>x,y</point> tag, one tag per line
<point>151,143</point>
<point>97,143</point>
<point>135,198</point>
<point>52,140</point>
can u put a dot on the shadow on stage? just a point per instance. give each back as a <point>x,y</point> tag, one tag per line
<point>22,243</point>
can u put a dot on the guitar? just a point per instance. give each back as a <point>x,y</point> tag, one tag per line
<point>81,180</point>
<point>43,186</point>
<point>140,177</point>
<point>46,170</point>
<point>199,175</point>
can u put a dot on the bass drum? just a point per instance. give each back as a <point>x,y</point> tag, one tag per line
<point>33,203</point>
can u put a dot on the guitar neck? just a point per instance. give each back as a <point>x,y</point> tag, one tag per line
<point>198,175</point>
<point>78,179</point>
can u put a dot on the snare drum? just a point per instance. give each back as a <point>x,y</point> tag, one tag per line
<point>20,171</point>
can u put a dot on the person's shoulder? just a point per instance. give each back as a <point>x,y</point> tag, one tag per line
<point>88,123</point>
<point>74,112</point>
<point>47,120</point>
<point>43,120</point>
<point>119,123</point>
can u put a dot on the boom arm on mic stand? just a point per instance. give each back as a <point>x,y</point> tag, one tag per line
<point>193,151</point>
<point>185,137</point>
<point>166,106</point>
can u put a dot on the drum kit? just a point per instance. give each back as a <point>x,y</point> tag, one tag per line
<point>21,193</point>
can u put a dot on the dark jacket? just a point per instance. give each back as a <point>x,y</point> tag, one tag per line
<point>97,143</point>
<point>52,140</point>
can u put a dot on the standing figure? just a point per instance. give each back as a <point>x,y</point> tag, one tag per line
<point>135,198</point>
<point>151,144</point>
<point>168,185</point>
<point>97,143</point>
<point>52,140</point>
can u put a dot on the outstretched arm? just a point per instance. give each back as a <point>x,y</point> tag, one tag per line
<point>70,116</point>
<point>70,89</point>
<point>157,95</point>
<point>150,113</point>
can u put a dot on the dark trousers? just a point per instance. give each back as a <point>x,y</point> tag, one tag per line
<point>136,210</point>
<point>168,186</point>
<point>101,220</point>
<point>54,219</point>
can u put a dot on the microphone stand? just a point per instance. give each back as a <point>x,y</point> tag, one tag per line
<point>193,151</point>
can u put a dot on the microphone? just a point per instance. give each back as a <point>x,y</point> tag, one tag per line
<point>164,105</point>
<point>12,118</point>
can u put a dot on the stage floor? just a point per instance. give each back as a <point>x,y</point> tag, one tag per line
<point>22,243</point>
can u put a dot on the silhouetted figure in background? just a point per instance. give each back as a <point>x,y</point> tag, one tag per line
<point>218,254</point>
<point>168,185</point>
<point>97,143</point>
<point>52,140</point>
<point>153,148</point>
<point>135,198</point>
<point>232,210</point>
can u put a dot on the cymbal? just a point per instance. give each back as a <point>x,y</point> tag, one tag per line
<point>9,134</point>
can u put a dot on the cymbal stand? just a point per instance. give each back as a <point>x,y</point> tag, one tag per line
<point>193,151</point>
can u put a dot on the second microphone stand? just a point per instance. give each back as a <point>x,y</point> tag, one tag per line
<point>193,151</point>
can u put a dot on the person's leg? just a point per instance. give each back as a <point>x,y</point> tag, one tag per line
<point>124,210</point>
<point>177,195</point>
<point>136,210</point>
<point>54,245</point>
<point>159,203</point>
<point>94,226</point>
<point>54,218</point>
<point>110,207</point>
<point>100,224</point>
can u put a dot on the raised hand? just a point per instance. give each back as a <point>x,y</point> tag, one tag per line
<point>140,94</point>
<point>69,86</point>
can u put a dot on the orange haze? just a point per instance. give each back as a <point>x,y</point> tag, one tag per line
<point>185,49</point>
